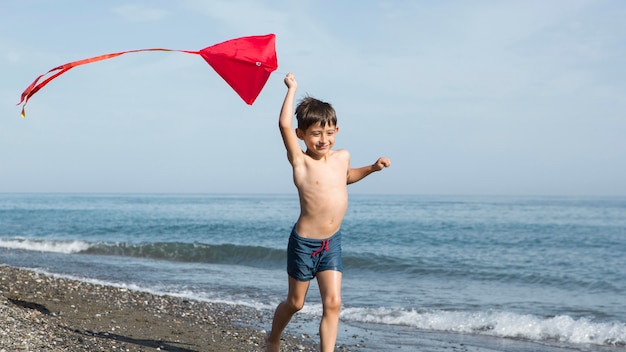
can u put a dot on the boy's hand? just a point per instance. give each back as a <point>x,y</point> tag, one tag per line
<point>381,163</point>
<point>290,81</point>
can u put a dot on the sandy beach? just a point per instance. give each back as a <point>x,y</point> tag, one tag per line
<point>46,313</point>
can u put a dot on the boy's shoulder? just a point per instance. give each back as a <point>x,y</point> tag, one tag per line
<point>341,153</point>
<point>340,157</point>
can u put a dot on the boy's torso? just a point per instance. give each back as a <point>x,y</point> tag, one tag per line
<point>323,191</point>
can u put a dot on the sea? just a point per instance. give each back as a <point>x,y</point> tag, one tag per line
<point>421,272</point>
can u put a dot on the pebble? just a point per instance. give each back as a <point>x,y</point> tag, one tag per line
<point>47,313</point>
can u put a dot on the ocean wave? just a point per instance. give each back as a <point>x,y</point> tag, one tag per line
<point>560,328</point>
<point>193,252</point>
<point>67,247</point>
<point>264,257</point>
<point>205,253</point>
<point>170,251</point>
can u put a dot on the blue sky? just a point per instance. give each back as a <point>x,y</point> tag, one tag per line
<point>465,97</point>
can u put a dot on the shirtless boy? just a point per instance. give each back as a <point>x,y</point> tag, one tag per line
<point>321,176</point>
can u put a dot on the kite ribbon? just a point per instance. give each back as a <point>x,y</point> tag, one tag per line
<point>244,63</point>
<point>36,85</point>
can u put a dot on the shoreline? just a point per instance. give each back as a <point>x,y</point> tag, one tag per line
<point>45,312</point>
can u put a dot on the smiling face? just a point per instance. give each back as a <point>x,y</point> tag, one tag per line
<point>318,139</point>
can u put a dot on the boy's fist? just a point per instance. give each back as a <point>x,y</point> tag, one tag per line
<point>290,81</point>
<point>381,163</point>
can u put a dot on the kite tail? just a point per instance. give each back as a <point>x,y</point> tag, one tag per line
<point>37,85</point>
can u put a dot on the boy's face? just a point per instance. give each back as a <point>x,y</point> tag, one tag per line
<point>318,140</point>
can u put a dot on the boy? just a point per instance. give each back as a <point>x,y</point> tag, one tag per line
<point>321,176</point>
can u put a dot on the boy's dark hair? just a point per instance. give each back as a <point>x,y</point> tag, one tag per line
<point>310,111</point>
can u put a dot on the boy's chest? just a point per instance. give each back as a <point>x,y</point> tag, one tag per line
<point>320,174</point>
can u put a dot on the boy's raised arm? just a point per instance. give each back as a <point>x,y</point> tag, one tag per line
<point>285,121</point>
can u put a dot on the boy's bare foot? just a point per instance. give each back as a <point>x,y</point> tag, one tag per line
<point>270,346</point>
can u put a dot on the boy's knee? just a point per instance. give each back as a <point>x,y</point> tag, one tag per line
<point>295,305</point>
<point>332,303</point>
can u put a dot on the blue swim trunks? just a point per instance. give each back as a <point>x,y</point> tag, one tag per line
<point>306,256</point>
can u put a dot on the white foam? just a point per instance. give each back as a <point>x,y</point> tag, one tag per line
<point>213,298</point>
<point>128,286</point>
<point>66,247</point>
<point>502,324</point>
<point>195,296</point>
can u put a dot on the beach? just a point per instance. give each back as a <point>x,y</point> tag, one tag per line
<point>205,273</point>
<point>46,313</point>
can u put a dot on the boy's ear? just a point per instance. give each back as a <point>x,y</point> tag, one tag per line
<point>299,133</point>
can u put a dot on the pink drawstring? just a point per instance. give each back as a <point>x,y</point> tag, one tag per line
<point>322,248</point>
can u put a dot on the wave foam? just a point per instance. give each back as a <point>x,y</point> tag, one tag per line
<point>502,324</point>
<point>66,247</point>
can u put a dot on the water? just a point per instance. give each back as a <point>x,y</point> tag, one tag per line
<point>548,270</point>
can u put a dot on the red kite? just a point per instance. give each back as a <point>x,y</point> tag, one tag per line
<point>244,63</point>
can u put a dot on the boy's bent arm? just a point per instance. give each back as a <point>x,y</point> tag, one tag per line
<point>357,174</point>
<point>285,121</point>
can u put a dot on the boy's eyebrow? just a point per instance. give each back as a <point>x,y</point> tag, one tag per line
<point>322,130</point>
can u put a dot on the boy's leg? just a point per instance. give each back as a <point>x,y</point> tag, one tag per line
<point>285,310</point>
<point>329,282</point>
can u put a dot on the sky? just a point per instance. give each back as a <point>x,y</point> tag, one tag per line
<point>465,97</point>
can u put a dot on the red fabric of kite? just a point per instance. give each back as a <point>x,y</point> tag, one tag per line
<point>244,63</point>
